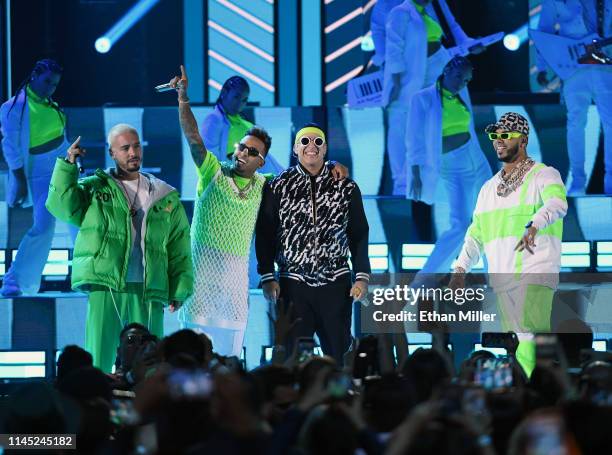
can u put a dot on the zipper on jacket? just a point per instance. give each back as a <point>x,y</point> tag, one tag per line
<point>313,199</point>
<point>119,190</point>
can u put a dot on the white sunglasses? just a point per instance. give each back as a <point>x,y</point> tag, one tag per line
<point>318,141</point>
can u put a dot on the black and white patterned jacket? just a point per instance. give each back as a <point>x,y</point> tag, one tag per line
<point>308,225</point>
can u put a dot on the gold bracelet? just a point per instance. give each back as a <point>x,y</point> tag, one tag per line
<point>183,102</point>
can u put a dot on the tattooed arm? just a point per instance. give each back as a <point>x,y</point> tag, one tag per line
<point>188,121</point>
<point>190,130</point>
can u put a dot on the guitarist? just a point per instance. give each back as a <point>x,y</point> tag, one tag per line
<point>577,19</point>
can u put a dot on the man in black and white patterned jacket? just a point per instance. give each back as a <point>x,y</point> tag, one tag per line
<point>308,224</point>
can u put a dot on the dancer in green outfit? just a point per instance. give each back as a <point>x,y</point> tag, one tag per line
<point>132,253</point>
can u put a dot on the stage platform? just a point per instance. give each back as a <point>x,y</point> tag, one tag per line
<point>48,321</point>
<point>51,320</point>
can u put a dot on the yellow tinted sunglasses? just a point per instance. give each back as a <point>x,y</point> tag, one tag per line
<point>495,136</point>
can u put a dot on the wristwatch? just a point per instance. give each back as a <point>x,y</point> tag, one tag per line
<point>528,225</point>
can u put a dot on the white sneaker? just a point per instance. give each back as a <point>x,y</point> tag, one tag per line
<point>10,290</point>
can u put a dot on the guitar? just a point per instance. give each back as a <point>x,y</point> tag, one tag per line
<point>566,55</point>
<point>464,48</point>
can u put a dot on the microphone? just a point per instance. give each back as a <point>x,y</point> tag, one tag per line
<point>79,164</point>
<point>167,87</point>
<point>164,88</point>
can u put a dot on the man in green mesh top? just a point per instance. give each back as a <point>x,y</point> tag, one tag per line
<point>226,207</point>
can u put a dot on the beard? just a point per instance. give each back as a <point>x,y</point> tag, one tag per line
<point>133,167</point>
<point>511,153</point>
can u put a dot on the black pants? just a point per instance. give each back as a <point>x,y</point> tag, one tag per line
<point>324,310</point>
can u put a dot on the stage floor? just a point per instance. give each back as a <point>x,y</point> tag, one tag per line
<point>51,320</point>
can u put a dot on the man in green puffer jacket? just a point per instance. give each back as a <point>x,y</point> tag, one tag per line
<point>132,253</point>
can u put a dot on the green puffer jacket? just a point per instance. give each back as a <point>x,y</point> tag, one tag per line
<point>102,250</point>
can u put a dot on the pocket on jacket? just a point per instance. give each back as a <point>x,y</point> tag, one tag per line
<point>157,271</point>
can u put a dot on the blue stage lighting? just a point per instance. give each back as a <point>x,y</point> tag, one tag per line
<point>512,42</point>
<point>136,12</point>
<point>103,45</point>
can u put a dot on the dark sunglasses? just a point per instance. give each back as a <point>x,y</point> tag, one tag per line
<point>318,141</point>
<point>251,151</point>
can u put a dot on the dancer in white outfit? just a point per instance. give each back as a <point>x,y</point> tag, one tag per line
<point>445,148</point>
<point>33,137</point>
<point>415,57</point>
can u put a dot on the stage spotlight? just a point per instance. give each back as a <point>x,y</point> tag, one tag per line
<point>136,12</point>
<point>103,45</point>
<point>367,43</point>
<point>512,42</point>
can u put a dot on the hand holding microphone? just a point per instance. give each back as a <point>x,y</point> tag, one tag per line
<point>74,153</point>
<point>164,88</point>
<point>176,83</point>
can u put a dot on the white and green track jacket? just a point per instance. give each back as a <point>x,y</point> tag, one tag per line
<point>499,223</point>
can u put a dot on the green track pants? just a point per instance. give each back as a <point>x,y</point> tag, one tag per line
<point>526,310</point>
<point>109,311</point>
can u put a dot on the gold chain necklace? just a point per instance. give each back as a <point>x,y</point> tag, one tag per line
<point>244,192</point>
<point>132,209</point>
